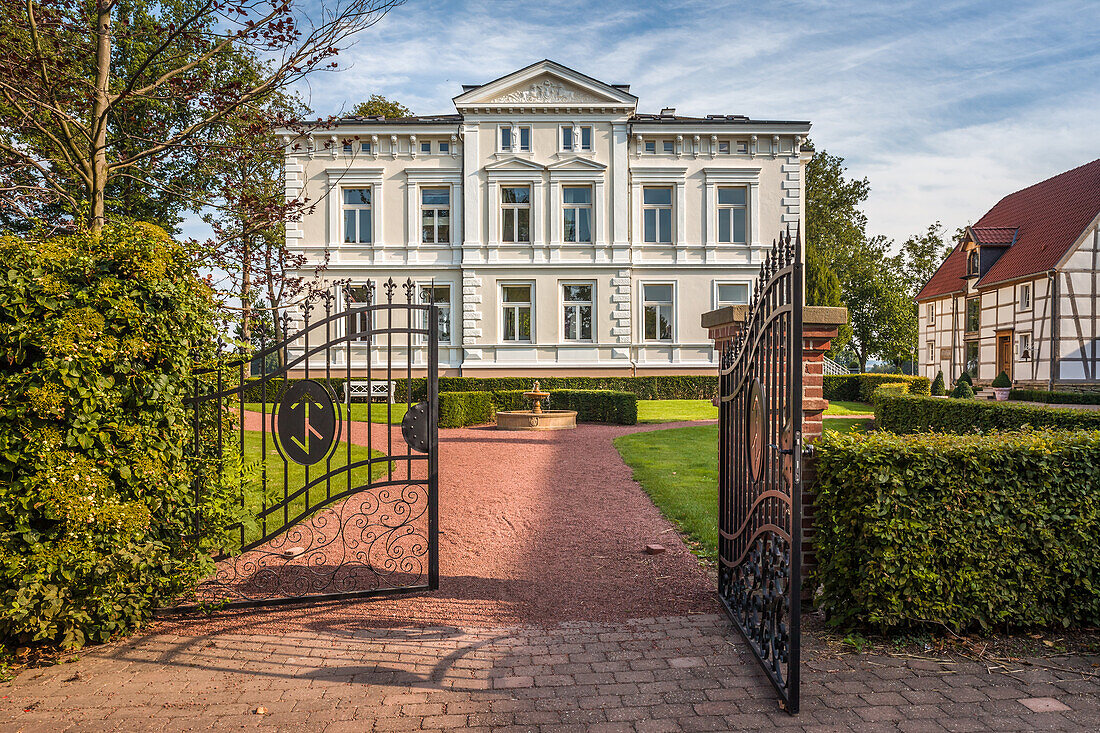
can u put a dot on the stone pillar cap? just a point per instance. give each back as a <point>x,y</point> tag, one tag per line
<point>819,315</point>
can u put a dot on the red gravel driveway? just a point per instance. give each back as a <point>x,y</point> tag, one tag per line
<point>534,528</point>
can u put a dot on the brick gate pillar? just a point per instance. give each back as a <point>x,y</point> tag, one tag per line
<point>819,327</point>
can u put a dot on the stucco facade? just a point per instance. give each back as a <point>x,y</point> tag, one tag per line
<point>562,231</point>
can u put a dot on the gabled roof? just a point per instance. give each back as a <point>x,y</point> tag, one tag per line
<point>545,82</point>
<point>1045,219</point>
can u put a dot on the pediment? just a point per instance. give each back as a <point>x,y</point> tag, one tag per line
<point>545,84</point>
<point>577,164</point>
<point>514,163</point>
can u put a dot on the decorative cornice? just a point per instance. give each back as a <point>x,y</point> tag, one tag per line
<point>545,92</point>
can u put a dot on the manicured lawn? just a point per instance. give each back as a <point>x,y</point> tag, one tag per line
<point>678,468</point>
<point>841,407</point>
<point>651,411</point>
<point>296,476</point>
<point>848,424</point>
<point>358,411</point>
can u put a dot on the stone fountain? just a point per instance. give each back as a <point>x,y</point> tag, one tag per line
<point>536,418</point>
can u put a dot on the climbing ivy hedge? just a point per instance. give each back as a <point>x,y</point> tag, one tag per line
<point>967,531</point>
<point>98,335</point>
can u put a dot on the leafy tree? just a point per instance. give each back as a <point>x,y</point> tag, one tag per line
<point>921,255</point>
<point>104,101</point>
<point>379,105</point>
<point>880,312</point>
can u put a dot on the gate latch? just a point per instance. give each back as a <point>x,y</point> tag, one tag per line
<point>414,427</point>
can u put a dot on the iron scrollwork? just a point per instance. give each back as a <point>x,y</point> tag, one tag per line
<point>760,483</point>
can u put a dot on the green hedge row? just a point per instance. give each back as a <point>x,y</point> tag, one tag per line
<point>458,409</point>
<point>643,388</point>
<point>861,387</point>
<point>892,389</point>
<point>911,414</point>
<point>1063,398</point>
<point>671,387</point>
<point>967,531</point>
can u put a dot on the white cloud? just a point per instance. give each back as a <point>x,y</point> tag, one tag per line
<point>945,106</point>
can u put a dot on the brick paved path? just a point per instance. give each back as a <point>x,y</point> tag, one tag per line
<point>461,659</point>
<point>672,674</point>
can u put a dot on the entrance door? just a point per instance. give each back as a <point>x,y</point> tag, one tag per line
<point>1004,353</point>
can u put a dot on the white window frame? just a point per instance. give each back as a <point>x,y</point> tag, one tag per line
<point>930,312</point>
<point>444,147</point>
<point>501,284</point>
<point>504,208</point>
<point>742,147</point>
<point>501,147</point>
<point>426,144</point>
<point>450,306</point>
<point>672,311</point>
<point>1024,288</point>
<point>364,317</point>
<point>719,303</point>
<point>576,136</point>
<point>723,176</point>
<point>931,346</point>
<point>576,305</point>
<point>726,144</point>
<point>519,131</point>
<point>340,178</point>
<point>1020,347</point>
<point>436,208</point>
<point>647,144</point>
<point>657,219</point>
<point>665,147</point>
<point>725,209</point>
<point>344,208</point>
<point>590,207</point>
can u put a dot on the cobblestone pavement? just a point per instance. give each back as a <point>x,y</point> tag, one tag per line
<point>672,674</point>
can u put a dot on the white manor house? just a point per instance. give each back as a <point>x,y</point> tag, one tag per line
<point>560,231</point>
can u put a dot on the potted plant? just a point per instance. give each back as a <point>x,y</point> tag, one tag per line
<point>1002,385</point>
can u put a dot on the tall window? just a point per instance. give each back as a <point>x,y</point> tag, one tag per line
<point>441,296</point>
<point>577,214</point>
<point>358,321</point>
<point>931,346</point>
<point>506,138</point>
<point>516,312</point>
<point>1025,297</point>
<point>972,358</point>
<point>973,314</point>
<point>657,312</point>
<point>732,294</point>
<point>576,138</point>
<point>931,311</point>
<point>435,215</point>
<point>657,214</point>
<point>525,139</point>
<point>972,262</point>
<point>577,316</point>
<point>515,213</point>
<point>357,215</point>
<point>1025,347</point>
<point>733,214</point>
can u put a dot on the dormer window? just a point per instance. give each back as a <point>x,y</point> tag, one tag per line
<point>972,262</point>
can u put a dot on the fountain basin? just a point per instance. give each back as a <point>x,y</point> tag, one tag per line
<point>531,420</point>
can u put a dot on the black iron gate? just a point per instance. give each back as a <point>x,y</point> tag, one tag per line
<point>328,504</point>
<point>759,475</point>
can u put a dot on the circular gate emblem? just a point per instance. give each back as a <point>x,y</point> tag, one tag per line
<point>306,423</point>
<point>754,415</point>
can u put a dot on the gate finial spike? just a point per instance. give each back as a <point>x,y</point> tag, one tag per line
<point>410,288</point>
<point>390,286</point>
<point>370,292</point>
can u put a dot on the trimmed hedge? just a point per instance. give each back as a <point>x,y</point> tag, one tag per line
<point>458,409</point>
<point>966,531</point>
<point>671,387</point>
<point>889,390</point>
<point>1063,398</point>
<point>861,387</point>
<point>910,414</point>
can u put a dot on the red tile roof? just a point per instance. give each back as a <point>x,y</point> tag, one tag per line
<point>1049,217</point>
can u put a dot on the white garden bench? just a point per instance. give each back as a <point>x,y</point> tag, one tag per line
<point>370,388</point>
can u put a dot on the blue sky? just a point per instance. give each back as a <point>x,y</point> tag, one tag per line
<point>944,106</point>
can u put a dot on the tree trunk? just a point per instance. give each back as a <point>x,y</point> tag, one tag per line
<point>97,193</point>
<point>862,362</point>
<point>246,292</point>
